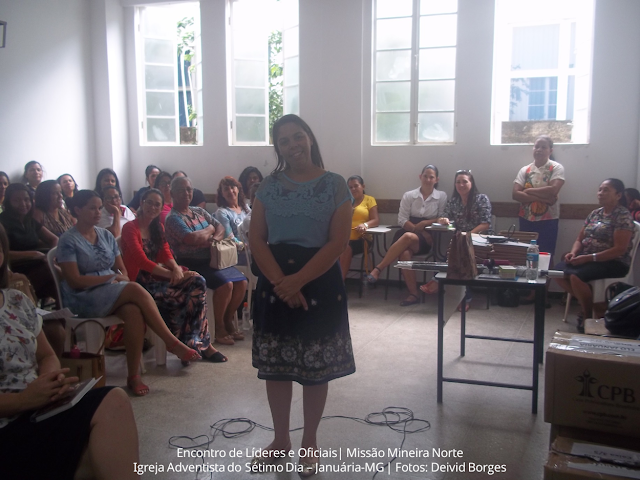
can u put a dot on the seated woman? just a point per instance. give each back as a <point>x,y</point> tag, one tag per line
<point>163,184</point>
<point>248,177</point>
<point>365,215</point>
<point>32,176</point>
<point>232,210</point>
<point>4,183</point>
<point>68,185</point>
<point>419,208</point>
<point>602,249</point>
<point>198,199</point>
<point>114,215</point>
<point>633,202</point>
<point>49,209</point>
<point>180,295</point>
<point>106,178</point>
<point>190,232</point>
<point>95,284</point>
<point>27,239</point>
<point>98,435</point>
<point>150,174</point>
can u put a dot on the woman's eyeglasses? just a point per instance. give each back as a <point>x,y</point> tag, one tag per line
<point>153,204</point>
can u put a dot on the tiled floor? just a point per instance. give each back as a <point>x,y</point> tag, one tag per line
<point>395,351</point>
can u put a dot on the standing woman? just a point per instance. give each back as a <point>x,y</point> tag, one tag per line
<point>163,184</point>
<point>602,249</point>
<point>419,208</point>
<point>95,284</point>
<point>32,176</point>
<point>232,210</point>
<point>365,216</point>
<point>300,225</point>
<point>150,174</point>
<point>4,183</point>
<point>180,295</point>
<point>50,210</point>
<point>68,185</point>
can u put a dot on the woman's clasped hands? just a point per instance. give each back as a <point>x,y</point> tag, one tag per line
<point>288,290</point>
<point>47,388</point>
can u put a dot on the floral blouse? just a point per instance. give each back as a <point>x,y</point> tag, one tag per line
<point>600,227</point>
<point>480,213</point>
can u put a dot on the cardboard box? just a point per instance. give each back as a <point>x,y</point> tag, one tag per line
<point>593,383</point>
<point>567,467</point>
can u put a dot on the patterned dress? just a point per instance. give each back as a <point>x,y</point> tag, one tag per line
<point>480,213</point>
<point>290,344</point>
<point>183,306</point>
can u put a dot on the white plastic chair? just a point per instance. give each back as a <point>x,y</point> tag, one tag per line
<point>599,287</point>
<point>252,280</point>
<point>73,322</point>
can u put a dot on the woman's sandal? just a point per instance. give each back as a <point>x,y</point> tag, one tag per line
<point>226,340</point>
<point>430,287</point>
<point>188,356</point>
<point>216,357</point>
<point>407,303</point>
<point>260,460</point>
<point>134,383</point>
<point>370,278</point>
<point>237,336</point>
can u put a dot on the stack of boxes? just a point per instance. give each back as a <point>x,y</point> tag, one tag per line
<point>592,400</point>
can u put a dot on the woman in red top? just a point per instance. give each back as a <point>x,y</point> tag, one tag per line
<point>180,295</point>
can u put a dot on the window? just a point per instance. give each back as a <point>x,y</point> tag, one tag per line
<point>263,67</point>
<point>542,70</point>
<point>169,74</point>
<point>414,70</point>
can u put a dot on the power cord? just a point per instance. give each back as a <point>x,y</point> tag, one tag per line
<point>398,419</point>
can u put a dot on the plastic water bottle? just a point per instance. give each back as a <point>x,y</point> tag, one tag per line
<point>246,317</point>
<point>533,254</point>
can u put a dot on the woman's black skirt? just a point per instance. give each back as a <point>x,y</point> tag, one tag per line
<point>290,344</point>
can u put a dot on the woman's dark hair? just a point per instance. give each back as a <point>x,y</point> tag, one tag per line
<point>231,182</point>
<point>618,186</point>
<point>631,192</point>
<point>435,169</point>
<point>102,173</point>
<point>75,188</point>
<point>80,199</point>
<point>149,170</point>
<point>11,190</point>
<point>358,179</point>
<point>316,158</point>
<point>184,174</point>
<point>160,176</point>
<point>471,200</point>
<point>4,267</point>
<point>43,194</point>
<point>252,191</point>
<point>27,166</point>
<point>156,232</point>
<point>244,178</point>
<point>2,174</point>
<point>546,138</point>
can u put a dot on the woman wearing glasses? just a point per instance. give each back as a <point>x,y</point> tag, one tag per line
<point>114,215</point>
<point>180,294</point>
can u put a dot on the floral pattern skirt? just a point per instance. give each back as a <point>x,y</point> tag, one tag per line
<point>290,344</point>
<point>183,307</point>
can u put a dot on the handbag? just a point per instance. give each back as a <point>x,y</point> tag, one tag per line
<point>85,365</point>
<point>461,258</point>
<point>623,312</point>
<point>224,254</point>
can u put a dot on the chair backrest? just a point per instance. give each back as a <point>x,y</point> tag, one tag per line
<point>636,242</point>
<point>245,240</point>
<point>55,273</point>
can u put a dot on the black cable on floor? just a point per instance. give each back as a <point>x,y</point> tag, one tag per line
<point>398,419</point>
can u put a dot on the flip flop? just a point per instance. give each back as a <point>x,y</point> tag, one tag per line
<point>217,357</point>
<point>370,278</point>
<point>407,303</point>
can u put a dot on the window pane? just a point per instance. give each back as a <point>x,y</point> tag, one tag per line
<point>393,33</point>
<point>161,130</point>
<point>438,31</point>
<point>437,63</point>
<point>250,73</point>
<point>435,127</point>
<point>159,51</point>
<point>291,41</point>
<point>161,104</point>
<point>438,6</point>
<point>535,47</point>
<point>394,8</point>
<point>250,100</point>
<point>533,99</point>
<point>438,95</point>
<point>159,78</point>
<point>250,129</point>
<point>159,22</point>
<point>392,127</point>
<point>248,46</point>
<point>571,90</point>
<point>393,65</point>
<point>291,100</point>
<point>393,97</point>
<point>291,71</point>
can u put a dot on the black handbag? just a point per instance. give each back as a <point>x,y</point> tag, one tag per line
<point>623,312</point>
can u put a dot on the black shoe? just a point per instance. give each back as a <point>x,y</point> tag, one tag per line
<point>580,323</point>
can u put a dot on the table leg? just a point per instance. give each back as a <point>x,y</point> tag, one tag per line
<point>538,340</point>
<point>440,338</point>
<point>463,324</point>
